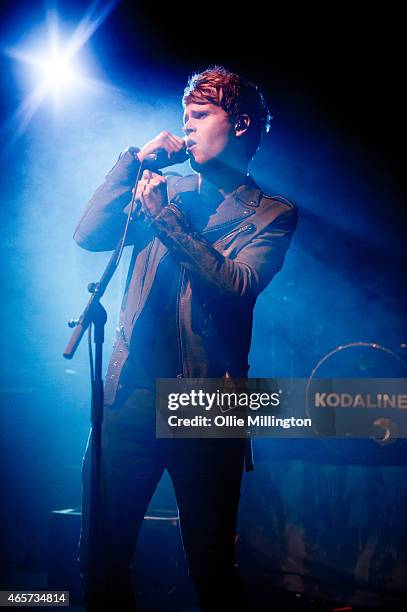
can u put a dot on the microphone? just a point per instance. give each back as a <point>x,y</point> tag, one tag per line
<point>155,162</point>
<point>159,159</point>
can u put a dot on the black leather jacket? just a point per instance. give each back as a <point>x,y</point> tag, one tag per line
<point>227,252</point>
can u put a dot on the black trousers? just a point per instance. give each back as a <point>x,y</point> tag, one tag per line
<point>206,474</point>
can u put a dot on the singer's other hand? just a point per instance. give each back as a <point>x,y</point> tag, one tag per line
<point>151,192</point>
<point>173,145</point>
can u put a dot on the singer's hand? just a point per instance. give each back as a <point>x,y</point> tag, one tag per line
<point>151,192</point>
<point>174,146</point>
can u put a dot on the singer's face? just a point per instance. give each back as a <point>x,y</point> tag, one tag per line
<point>209,134</point>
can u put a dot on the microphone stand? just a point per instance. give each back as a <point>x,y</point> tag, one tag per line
<point>94,313</point>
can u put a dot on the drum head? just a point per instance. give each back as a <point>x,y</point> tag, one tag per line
<point>360,360</point>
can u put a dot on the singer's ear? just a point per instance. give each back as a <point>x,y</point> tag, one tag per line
<point>242,125</point>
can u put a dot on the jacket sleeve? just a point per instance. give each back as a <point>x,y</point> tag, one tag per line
<point>244,276</point>
<point>104,218</point>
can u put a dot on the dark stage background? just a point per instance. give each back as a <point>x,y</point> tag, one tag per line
<point>325,520</point>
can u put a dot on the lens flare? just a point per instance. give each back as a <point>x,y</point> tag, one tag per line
<point>55,65</point>
<point>58,73</point>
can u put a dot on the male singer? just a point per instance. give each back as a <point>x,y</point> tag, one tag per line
<point>205,246</point>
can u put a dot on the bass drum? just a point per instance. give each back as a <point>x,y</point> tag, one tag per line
<point>363,360</point>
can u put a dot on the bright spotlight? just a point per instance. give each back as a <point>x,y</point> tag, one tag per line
<point>58,73</point>
<point>55,66</point>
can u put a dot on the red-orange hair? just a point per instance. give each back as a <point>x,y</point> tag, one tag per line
<point>233,93</point>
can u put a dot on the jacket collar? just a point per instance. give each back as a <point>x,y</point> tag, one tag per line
<point>209,211</point>
<point>249,193</point>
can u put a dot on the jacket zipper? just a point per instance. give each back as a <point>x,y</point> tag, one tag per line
<point>177,315</point>
<point>239,230</point>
